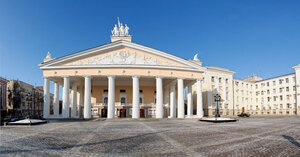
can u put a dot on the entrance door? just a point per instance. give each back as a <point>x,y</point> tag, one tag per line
<point>142,113</point>
<point>243,109</point>
<point>123,113</point>
<point>104,113</point>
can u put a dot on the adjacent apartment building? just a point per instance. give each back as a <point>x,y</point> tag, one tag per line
<point>24,100</point>
<point>273,96</point>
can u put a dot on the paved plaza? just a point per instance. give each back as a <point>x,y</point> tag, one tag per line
<point>272,136</point>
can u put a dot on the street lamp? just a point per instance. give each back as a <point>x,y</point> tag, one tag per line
<point>217,99</point>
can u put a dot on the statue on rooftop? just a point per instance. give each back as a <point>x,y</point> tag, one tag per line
<point>126,30</point>
<point>115,31</point>
<point>122,30</point>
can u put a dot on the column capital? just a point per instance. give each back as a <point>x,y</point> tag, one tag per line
<point>65,76</point>
<point>135,76</point>
<point>180,78</point>
<point>87,76</point>
<point>161,77</point>
<point>111,76</point>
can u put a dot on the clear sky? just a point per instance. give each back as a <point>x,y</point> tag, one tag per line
<point>247,36</point>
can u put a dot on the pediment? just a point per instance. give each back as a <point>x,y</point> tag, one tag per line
<point>121,54</point>
<point>124,56</point>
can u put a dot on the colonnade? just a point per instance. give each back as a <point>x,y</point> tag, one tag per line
<point>170,98</point>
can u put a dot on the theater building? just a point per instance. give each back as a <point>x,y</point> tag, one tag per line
<point>125,79</point>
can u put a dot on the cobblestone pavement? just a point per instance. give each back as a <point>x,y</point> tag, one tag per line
<point>272,136</point>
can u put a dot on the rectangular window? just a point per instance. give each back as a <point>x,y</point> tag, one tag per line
<point>274,83</point>
<point>280,81</point>
<point>268,84</point>
<point>294,78</point>
<point>220,79</point>
<point>226,81</point>
<point>122,91</point>
<point>274,91</point>
<point>287,80</point>
<point>294,88</point>
<point>280,90</point>
<point>287,89</point>
<point>281,97</point>
<point>212,79</point>
<point>105,90</point>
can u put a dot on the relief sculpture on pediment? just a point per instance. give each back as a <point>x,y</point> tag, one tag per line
<point>120,57</point>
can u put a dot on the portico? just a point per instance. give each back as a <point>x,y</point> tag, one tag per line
<point>123,79</point>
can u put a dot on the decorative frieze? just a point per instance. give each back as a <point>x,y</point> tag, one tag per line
<point>121,57</point>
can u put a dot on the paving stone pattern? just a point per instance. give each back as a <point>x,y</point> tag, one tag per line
<point>259,136</point>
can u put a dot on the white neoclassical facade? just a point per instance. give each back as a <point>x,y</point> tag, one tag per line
<point>125,79</point>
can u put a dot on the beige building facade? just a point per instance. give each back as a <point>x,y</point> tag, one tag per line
<point>254,95</point>
<point>125,79</point>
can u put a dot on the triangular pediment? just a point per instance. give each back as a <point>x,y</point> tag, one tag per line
<point>121,53</point>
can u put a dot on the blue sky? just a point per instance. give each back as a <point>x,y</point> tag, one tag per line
<point>249,37</point>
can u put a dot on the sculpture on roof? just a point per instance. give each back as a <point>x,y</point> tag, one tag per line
<point>48,55</point>
<point>120,30</point>
<point>115,31</point>
<point>196,57</point>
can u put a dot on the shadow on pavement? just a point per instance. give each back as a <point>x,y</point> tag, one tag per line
<point>292,140</point>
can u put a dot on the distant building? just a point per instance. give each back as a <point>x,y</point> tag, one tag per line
<point>274,96</point>
<point>24,99</point>
<point>3,86</point>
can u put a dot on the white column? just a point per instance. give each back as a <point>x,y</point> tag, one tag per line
<point>135,97</point>
<point>180,98</point>
<point>46,98</point>
<point>79,100</point>
<point>159,98</point>
<point>87,97</point>
<point>167,100</point>
<point>65,107</point>
<point>56,99</point>
<point>172,101</point>
<point>111,97</point>
<point>74,101</point>
<point>190,101</point>
<point>199,99</point>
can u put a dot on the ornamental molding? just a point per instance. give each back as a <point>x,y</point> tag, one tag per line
<point>120,57</point>
<point>57,63</point>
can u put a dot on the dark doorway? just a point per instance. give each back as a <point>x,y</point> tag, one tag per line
<point>122,113</point>
<point>104,113</point>
<point>142,113</point>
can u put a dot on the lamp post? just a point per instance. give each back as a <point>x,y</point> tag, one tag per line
<point>217,99</point>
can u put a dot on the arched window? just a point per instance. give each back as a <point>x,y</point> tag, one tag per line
<point>105,100</point>
<point>123,100</point>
